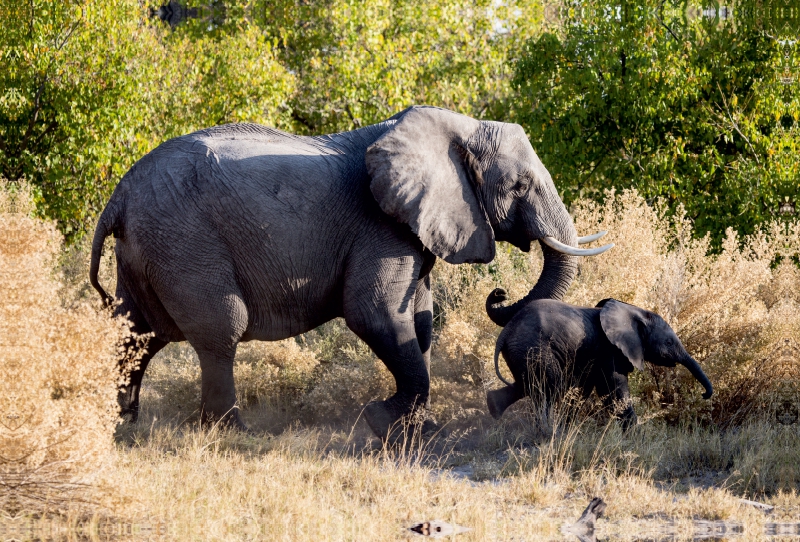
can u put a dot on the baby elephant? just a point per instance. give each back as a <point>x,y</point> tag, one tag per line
<point>550,346</point>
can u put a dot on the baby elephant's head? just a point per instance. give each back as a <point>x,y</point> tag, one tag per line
<point>642,335</point>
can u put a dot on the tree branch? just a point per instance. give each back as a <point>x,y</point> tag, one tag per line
<point>356,122</point>
<point>658,16</point>
<point>302,120</point>
<point>736,126</point>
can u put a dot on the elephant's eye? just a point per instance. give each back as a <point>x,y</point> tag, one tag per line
<point>522,185</point>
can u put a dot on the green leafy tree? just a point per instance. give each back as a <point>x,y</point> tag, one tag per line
<point>64,75</point>
<point>689,108</point>
<point>185,83</point>
<point>92,86</point>
<point>358,62</point>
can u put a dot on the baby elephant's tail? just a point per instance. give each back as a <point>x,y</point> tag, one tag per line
<point>498,347</point>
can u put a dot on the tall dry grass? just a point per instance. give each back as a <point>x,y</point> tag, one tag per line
<point>296,486</point>
<point>58,403</point>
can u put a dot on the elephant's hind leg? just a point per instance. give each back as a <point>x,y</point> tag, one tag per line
<point>136,352</point>
<point>213,317</point>
<point>128,397</point>
<point>216,347</point>
<point>499,400</point>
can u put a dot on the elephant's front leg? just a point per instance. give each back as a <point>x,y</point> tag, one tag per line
<point>617,397</point>
<point>423,322</point>
<point>380,307</point>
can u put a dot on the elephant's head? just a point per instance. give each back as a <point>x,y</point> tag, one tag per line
<point>461,184</point>
<point>643,335</point>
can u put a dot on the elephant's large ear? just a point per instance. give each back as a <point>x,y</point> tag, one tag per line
<point>623,324</point>
<point>423,175</point>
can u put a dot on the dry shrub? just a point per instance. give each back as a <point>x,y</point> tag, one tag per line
<point>265,368</point>
<point>728,307</point>
<point>630,271</point>
<point>58,408</point>
<point>464,342</point>
<point>171,386</point>
<point>327,374</point>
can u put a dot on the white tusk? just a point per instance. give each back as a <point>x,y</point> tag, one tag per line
<point>572,251</point>
<point>590,238</point>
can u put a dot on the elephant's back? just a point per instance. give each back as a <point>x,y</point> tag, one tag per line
<point>550,321</point>
<point>241,176</point>
<point>235,163</point>
<point>552,315</point>
<point>280,210</point>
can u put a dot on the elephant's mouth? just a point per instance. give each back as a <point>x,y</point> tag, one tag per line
<point>524,246</point>
<point>516,238</point>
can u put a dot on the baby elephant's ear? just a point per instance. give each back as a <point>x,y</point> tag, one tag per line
<point>623,324</point>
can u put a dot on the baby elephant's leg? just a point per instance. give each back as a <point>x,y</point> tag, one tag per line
<point>499,400</point>
<point>617,398</point>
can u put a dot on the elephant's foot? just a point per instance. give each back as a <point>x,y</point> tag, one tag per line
<point>129,414</point>
<point>391,425</point>
<point>128,406</point>
<point>499,400</point>
<point>628,419</point>
<point>229,420</point>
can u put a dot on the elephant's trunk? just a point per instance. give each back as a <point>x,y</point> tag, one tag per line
<point>690,363</point>
<point>557,274</point>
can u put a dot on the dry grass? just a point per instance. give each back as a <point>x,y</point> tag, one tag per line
<point>58,406</point>
<point>301,485</point>
<point>304,484</point>
<point>313,471</point>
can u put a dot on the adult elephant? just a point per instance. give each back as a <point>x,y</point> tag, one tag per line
<point>243,232</point>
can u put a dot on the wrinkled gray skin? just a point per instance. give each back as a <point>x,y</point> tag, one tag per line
<point>243,232</point>
<point>550,346</point>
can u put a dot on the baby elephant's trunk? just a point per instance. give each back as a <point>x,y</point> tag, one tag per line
<point>694,368</point>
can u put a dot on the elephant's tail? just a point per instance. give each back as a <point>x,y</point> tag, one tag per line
<point>109,223</point>
<point>498,347</point>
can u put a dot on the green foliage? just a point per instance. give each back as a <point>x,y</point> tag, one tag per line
<point>661,98</point>
<point>65,73</point>
<point>91,87</point>
<point>359,62</point>
<point>185,83</point>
